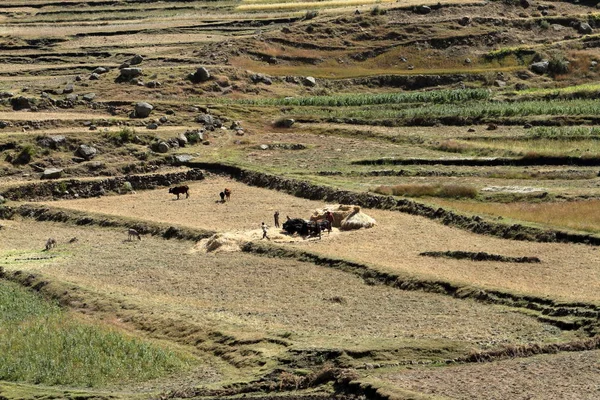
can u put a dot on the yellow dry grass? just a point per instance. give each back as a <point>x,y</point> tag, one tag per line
<point>262,5</point>
<point>553,377</point>
<point>567,271</point>
<point>247,294</point>
<point>579,215</point>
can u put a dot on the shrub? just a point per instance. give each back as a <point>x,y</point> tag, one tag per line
<point>124,135</point>
<point>310,14</point>
<point>25,156</point>
<point>544,24</point>
<point>378,11</point>
<point>558,65</point>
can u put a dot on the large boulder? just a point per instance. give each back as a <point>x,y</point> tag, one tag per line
<point>540,67</point>
<point>162,147</point>
<point>20,103</point>
<point>100,70</point>
<point>68,89</point>
<point>201,75</point>
<point>584,28</point>
<point>135,60</point>
<point>128,74</point>
<point>52,173</point>
<point>309,81</point>
<point>422,9</point>
<point>182,158</point>
<point>205,119</point>
<point>143,109</point>
<point>53,141</point>
<point>89,96</point>
<point>86,152</point>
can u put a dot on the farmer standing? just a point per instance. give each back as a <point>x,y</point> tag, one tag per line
<point>329,218</point>
<point>276,218</point>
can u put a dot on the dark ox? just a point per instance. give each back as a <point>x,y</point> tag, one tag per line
<point>305,228</point>
<point>180,190</point>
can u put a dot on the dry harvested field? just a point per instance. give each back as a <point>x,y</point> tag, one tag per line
<point>568,272</point>
<point>482,113</point>
<point>561,376</point>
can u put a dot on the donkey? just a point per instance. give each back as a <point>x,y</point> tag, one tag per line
<point>132,233</point>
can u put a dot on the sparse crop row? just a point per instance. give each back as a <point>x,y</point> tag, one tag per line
<point>363,99</point>
<point>564,132</point>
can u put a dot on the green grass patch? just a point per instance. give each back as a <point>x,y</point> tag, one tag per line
<point>553,132</point>
<point>42,344</point>
<point>362,99</point>
<point>532,148</point>
<point>464,110</point>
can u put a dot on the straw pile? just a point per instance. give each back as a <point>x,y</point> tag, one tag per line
<point>220,242</point>
<point>357,220</point>
<point>339,211</point>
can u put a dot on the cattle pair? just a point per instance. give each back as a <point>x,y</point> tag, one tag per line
<point>225,195</point>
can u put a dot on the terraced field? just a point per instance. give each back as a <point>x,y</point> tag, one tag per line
<point>466,129</point>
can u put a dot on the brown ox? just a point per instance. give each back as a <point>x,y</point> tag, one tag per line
<point>227,194</point>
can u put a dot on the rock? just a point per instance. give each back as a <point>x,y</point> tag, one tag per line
<point>467,60</point>
<point>71,97</point>
<point>135,60</point>
<point>100,70</point>
<point>593,64</point>
<point>52,173</point>
<point>205,119</point>
<point>182,139</point>
<point>521,86</point>
<point>182,158</point>
<point>124,65</point>
<point>584,28</point>
<point>471,130</point>
<point>2,200</point>
<point>309,81</point>
<point>264,147</point>
<point>201,75</point>
<point>4,124</point>
<point>20,103</point>
<point>78,78</point>
<point>170,112</point>
<point>89,96</point>
<point>464,21</point>
<point>499,83</point>
<point>53,141</point>
<point>143,109</point>
<point>539,67</point>
<point>422,10</point>
<point>162,147</point>
<point>527,126</point>
<point>286,123</point>
<point>525,3</point>
<point>93,128</point>
<point>261,78</point>
<point>94,77</point>
<point>68,89</point>
<point>152,125</point>
<point>85,151</point>
<point>128,74</point>
<point>163,120</point>
<point>6,95</point>
<point>492,127</point>
<point>235,125</point>
<point>153,84</point>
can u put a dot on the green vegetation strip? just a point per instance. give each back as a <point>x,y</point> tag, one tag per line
<point>463,110</point>
<point>40,343</point>
<point>349,100</point>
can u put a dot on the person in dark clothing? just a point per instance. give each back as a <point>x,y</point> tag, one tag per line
<point>222,194</point>
<point>276,218</point>
<point>329,218</point>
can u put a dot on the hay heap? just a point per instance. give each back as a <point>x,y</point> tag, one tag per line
<point>339,211</point>
<point>357,220</point>
<point>220,242</point>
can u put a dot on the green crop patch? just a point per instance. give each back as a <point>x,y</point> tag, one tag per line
<point>42,344</point>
